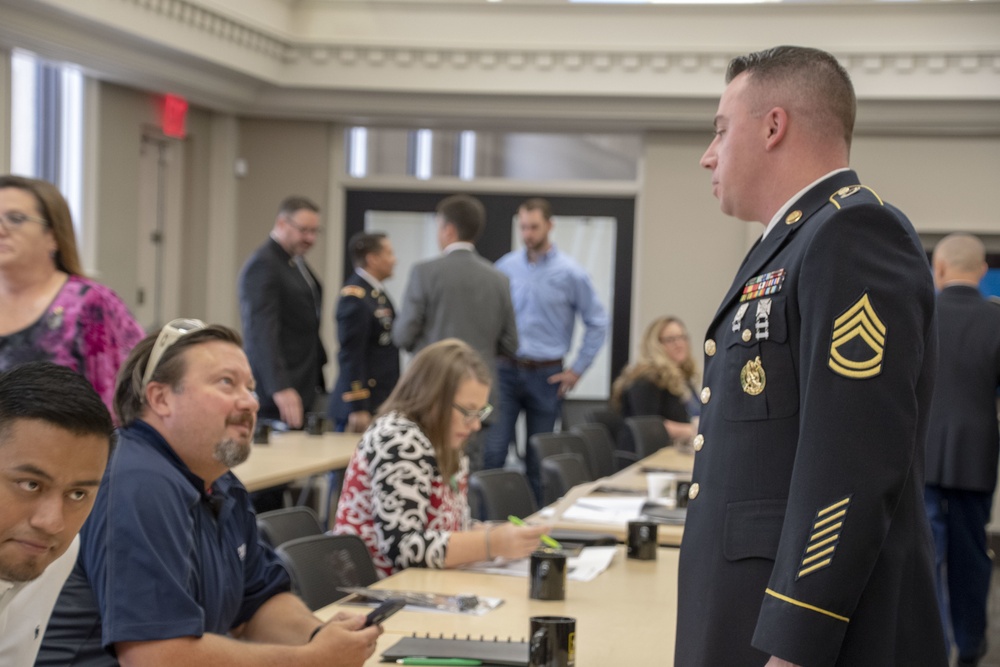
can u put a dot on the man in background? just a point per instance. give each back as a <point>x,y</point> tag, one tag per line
<point>280,307</point>
<point>963,441</point>
<point>459,295</point>
<point>368,359</point>
<point>55,435</point>
<point>550,290</point>
<point>171,571</point>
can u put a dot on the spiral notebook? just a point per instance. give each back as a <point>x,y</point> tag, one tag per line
<point>498,652</point>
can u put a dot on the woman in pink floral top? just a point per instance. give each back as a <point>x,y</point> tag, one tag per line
<point>405,488</point>
<point>48,310</point>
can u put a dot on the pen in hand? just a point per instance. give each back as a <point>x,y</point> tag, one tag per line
<point>548,541</point>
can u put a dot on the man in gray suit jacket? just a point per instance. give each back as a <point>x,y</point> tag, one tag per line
<point>962,441</point>
<point>459,295</point>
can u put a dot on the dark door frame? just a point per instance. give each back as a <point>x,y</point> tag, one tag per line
<point>496,240</point>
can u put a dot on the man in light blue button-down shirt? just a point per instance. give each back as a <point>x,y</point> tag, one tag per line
<point>549,289</point>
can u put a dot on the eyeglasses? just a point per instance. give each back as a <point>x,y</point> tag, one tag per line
<point>15,220</point>
<point>667,340</point>
<point>469,416</point>
<point>315,231</point>
<point>169,334</point>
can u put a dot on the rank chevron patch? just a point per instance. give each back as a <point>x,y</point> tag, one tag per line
<point>858,341</point>
<point>823,537</point>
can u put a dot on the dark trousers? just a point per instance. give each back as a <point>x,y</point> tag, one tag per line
<point>526,389</point>
<point>963,567</point>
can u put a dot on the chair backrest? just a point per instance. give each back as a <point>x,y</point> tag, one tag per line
<point>560,473</point>
<point>574,411</point>
<point>545,445</point>
<point>319,564</point>
<point>648,434</point>
<point>278,526</point>
<point>611,420</point>
<point>600,448</point>
<point>500,493</point>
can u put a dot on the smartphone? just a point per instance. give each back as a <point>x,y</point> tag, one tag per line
<point>384,611</point>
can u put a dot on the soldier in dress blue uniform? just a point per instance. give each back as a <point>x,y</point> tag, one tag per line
<point>806,540</point>
<point>369,362</point>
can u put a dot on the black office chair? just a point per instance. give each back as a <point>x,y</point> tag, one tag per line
<point>560,473</point>
<point>279,526</point>
<point>574,411</point>
<point>501,493</point>
<point>544,445</point>
<point>600,448</point>
<point>647,433</point>
<point>319,564</point>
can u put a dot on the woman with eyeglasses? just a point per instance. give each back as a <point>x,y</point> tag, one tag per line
<point>48,310</point>
<point>405,487</point>
<point>662,381</point>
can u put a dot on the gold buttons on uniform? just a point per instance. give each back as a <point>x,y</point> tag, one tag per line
<point>710,347</point>
<point>694,491</point>
<point>699,442</point>
<point>371,382</point>
<point>793,217</point>
<point>746,335</point>
<point>706,394</point>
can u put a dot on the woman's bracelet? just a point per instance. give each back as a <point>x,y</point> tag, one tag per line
<point>486,532</point>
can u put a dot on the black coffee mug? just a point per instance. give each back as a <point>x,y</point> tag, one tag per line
<point>315,423</point>
<point>682,492</point>
<point>552,642</point>
<point>548,575</point>
<point>642,540</point>
<point>262,434</point>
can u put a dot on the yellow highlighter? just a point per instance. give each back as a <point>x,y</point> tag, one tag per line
<point>546,540</point>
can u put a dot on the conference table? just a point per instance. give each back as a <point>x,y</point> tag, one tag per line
<point>296,455</point>
<point>629,480</point>
<point>624,617</point>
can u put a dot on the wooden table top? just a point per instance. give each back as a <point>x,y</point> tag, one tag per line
<point>633,477</point>
<point>294,455</point>
<point>624,617</point>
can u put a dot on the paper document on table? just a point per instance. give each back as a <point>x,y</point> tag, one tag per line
<point>610,510</point>
<point>584,567</point>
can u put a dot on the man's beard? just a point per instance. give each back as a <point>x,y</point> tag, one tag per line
<point>231,452</point>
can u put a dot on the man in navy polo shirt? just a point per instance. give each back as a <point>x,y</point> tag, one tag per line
<point>170,570</point>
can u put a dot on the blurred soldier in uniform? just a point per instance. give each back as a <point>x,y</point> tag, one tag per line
<point>368,359</point>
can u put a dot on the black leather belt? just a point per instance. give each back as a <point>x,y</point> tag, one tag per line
<point>531,364</point>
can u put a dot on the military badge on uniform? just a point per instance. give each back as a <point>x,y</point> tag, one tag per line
<point>762,321</point>
<point>823,537</point>
<point>738,318</point>
<point>752,377</point>
<point>352,290</point>
<point>763,285</point>
<point>858,341</point>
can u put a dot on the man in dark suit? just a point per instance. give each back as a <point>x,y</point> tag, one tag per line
<point>459,295</point>
<point>806,540</point>
<point>963,441</point>
<point>368,359</point>
<point>280,302</point>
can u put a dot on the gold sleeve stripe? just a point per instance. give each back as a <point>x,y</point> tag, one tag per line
<point>858,321</point>
<point>832,517</point>
<point>836,505</point>
<point>821,543</point>
<point>785,598</point>
<point>817,556</point>
<point>824,536</point>
<point>863,304</point>
<point>812,568</point>
<point>356,395</point>
<point>829,529</point>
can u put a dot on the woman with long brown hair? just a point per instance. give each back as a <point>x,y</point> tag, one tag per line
<point>405,491</point>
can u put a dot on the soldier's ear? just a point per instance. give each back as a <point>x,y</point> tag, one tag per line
<point>776,126</point>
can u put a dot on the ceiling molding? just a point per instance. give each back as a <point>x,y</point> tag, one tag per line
<point>224,60</point>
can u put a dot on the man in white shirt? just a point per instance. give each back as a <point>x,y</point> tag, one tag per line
<point>55,435</point>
